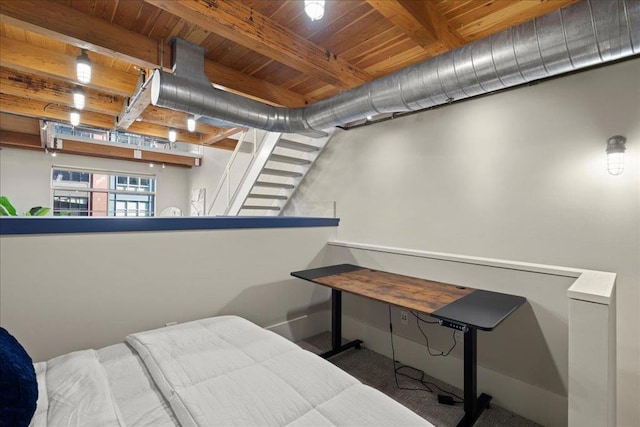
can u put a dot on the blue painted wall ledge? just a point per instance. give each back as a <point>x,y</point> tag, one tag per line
<point>53,225</point>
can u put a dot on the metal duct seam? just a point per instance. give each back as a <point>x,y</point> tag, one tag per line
<point>584,34</point>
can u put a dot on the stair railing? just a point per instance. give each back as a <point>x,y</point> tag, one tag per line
<point>225,181</point>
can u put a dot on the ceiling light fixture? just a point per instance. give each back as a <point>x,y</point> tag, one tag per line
<point>314,9</point>
<point>83,68</point>
<point>615,154</point>
<point>172,135</point>
<point>78,98</point>
<point>74,117</point>
<point>191,123</point>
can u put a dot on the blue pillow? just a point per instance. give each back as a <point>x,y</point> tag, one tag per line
<point>18,385</point>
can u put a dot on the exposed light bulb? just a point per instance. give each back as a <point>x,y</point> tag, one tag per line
<point>150,165</point>
<point>83,68</point>
<point>314,9</point>
<point>53,154</point>
<point>78,98</point>
<point>369,118</point>
<point>172,135</point>
<point>191,123</point>
<point>74,117</point>
<point>615,154</point>
<point>615,163</point>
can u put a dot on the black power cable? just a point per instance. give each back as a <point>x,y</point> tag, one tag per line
<point>420,375</point>
<point>442,353</point>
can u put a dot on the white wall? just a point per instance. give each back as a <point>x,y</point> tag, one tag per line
<point>25,177</point>
<point>519,175</point>
<point>64,292</point>
<point>208,175</point>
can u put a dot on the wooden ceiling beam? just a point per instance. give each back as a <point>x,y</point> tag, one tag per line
<point>221,136</point>
<point>159,131</point>
<point>70,26</point>
<point>251,87</point>
<point>28,107</point>
<point>239,23</point>
<point>422,22</point>
<point>70,146</point>
<point>33,108</point>
<point>20,140</point>
<point>81,29</point>
<point>45,89</point>
<point>22,56</point>
<point>225,144</point>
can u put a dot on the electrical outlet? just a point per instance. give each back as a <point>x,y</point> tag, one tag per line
<point>404,317</point>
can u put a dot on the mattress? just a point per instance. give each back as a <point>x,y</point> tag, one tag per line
<point>222,371</point>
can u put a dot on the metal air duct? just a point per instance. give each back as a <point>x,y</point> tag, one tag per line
<point>587,33</point>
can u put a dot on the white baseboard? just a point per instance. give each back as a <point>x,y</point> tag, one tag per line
<point>303,326</point>
<point>534,403</point>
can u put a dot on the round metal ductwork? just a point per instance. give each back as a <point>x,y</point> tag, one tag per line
<point>584,34</point>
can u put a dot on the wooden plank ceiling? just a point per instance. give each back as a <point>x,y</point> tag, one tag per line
<point>267,50</point>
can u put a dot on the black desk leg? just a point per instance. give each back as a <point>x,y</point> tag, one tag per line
<point>473,405</point>
<point>336,327</point>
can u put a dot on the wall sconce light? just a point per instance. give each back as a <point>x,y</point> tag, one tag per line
<point>78,98</point>
<point>74,117</point>
<point>172,135</point>
<point>314,9</point>
<point>615,154</point>
<point>83,68</point>
<point>191,123</point>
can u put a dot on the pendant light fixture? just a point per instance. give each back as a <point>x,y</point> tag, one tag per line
<point>172,135</point>
<point>191,123</point>
<point>74,117</point>
<point>78,98</point>
<point>314,9</point>
<point>615,154</point>
<point>83,68</point>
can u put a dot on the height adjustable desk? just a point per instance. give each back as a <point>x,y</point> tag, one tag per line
<point>458,307</point>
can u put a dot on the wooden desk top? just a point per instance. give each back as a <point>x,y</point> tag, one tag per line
<point>481,309</point>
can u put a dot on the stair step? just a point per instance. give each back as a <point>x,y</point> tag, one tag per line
<point>267,196</point>
<point>299,146</point>
<point>280,172</point>
<point>262,208</point>
<point>272,185</point>
<point>288,159</point>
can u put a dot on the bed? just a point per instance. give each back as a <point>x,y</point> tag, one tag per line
<point>220,371</point>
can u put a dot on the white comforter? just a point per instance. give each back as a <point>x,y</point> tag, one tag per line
<point>226,371</point>
<point>222,371</point>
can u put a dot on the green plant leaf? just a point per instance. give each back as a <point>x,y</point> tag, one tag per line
<point>38,211</point>
<point>7,208</point>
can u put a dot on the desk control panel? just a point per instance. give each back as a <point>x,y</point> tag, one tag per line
<point>453,325</point>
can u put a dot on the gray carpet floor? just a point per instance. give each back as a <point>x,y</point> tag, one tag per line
<point>377,371</point>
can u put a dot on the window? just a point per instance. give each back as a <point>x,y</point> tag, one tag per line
<point>92,193</point>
